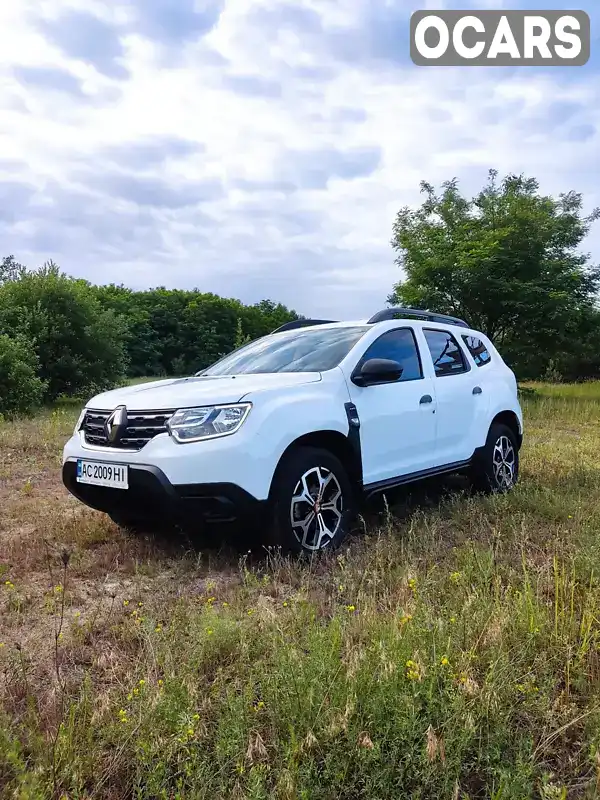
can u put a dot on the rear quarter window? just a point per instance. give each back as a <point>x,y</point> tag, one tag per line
<point>480,353</point>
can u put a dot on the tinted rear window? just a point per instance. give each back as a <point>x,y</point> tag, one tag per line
<point>448,358</point>
<point>478,350</point>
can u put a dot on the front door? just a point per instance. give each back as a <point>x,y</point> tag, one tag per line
<point>397,420</point>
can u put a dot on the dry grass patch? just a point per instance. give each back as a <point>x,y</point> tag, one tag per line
<point>453,650</point>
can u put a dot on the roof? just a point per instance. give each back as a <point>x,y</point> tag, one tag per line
<point>385,315</point>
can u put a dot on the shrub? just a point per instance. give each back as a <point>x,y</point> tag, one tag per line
<point>21,390</point>
<point>79,344</point>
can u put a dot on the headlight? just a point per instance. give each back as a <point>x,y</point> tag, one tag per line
<point>207,422</point>
<point>79,421</point>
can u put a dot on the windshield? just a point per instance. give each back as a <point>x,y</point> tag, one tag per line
<point>300,350</point>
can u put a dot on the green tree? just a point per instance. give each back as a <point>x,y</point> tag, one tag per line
<point>162,331</point>
<point>142,341</point>
<point>240,337</point>
<point>507,260</point>
<point>10,270</point>
<point>21,390</point>
<point>79,344</point>
<point>171,331</point>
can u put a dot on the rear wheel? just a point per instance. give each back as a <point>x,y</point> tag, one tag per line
<point>496,469</point>
<point>313,503</point>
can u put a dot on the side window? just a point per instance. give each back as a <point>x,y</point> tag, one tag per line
<point>448,358</point>
<point>478,350</point>
<point>400,345</point>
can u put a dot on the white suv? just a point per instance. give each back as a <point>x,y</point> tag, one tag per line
<point>300,425</point>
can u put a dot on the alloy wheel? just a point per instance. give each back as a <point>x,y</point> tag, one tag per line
<point>504,463</point>
<point>316,508</point>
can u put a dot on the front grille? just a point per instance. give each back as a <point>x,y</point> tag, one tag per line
<point>141,427</point>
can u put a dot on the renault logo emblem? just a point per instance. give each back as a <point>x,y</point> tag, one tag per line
<point>116,425</point>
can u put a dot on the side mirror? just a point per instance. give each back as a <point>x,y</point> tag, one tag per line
<point>377,370</point>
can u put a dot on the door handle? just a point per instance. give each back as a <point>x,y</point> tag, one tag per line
<point>427,398</point>
<point>477,390</point>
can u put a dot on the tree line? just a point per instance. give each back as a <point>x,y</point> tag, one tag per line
<point>63,336</point>
<point>508,260</point>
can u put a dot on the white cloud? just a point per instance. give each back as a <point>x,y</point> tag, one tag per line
<point>323,251</point>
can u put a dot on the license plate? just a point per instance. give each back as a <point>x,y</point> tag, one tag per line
<point>100,473</point>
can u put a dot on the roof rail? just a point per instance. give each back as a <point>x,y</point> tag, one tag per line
<point>431,316</point>
<point>302,323</point>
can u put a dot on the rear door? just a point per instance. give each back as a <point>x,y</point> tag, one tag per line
<point>460,397</point>
<point>397,420</point>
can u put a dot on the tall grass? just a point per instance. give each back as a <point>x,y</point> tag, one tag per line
<point>451,651</point>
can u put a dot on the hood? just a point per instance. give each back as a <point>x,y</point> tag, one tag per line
<point>196,391</point>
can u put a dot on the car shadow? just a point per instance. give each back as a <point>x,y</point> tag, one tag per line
<point>399,504</point>
<point>227,542</point>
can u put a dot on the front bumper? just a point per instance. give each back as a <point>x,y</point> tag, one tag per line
<point>152,496</point>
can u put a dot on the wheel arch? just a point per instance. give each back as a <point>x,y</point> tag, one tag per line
<point>510,419</point>
<point>344,447</point>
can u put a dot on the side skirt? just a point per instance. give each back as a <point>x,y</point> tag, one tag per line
<point>371,489</point>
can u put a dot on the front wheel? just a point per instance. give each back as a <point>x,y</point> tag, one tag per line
<point>313,503</point>
<point>496,469</point>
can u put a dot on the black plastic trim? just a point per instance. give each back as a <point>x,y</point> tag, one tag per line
<point>411,477</point>
<point>354,439</point>
<point>432,316</point>
<point>303,323</point>
<point>151,495</point>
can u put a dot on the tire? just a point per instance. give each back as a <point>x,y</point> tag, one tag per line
<point>298,476</point>
<point>496,468</point>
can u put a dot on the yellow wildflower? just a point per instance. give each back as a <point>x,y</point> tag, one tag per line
<point>412,670</point>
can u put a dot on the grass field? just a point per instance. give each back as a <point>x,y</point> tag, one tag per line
<point>451,651</point>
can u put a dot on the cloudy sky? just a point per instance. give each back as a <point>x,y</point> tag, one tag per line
<point>260,148</point>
